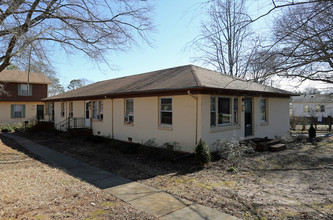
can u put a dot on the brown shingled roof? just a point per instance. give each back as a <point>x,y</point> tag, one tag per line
<point>167,80</point>
<point>22,77</point>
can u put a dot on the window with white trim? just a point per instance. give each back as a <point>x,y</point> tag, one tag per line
<point>263,110</point>
<point>100,110</point>
<point>223,111</point>
<point>94,109</point>
<point>320,108</point>
<point>129,111</point>
<point>70,110</point>
<point>166,111</point>
<point>24,89</point>
<point>17,111</point>
<point>62,109</point>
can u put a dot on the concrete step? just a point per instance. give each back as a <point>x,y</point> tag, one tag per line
<point>277,147</point>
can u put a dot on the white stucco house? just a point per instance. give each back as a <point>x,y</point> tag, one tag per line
<point>316,108</point>
<point>181,104</point>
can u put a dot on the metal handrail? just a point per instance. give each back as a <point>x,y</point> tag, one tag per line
<point>70,123</point>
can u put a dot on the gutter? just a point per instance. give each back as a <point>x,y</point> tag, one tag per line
<point>196,115</point>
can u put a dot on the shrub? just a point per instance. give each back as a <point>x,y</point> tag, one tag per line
<point>231,150</point>
<point>172,146</point>
<point>202,153</point>
<point>150,143</point>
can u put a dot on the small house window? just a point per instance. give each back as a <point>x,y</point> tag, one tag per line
<point>213,111</point>
<point>320,108</point>
<point>94,109</point>
<point>129,111</point>
<point>235,111</point>
<point>70,110</point>
<point>166,111</point>
<point>24,89</point>
<point>306,108</point>
<point>100,110</point>
<point>263,110</point>
<point>223,111</point>
<point>17,111</point>
<point>62,110</point>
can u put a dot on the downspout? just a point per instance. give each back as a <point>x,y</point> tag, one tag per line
<point>196,115</point>
<point>112,118</point>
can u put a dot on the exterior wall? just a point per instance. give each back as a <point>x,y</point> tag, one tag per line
<point>277,125</point>
<point>30,112</point>
<point>39,92</point>
<point>298,110</point>
<point>147,126</point>
<point>211,135</point>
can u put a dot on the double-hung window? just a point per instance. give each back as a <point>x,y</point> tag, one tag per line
<point>100,110</point>
<point>62,109</point>
<point>94,109</point>
<point>24,89</point>
<point>166,111</point>
<point>17,111</point>
<point>70,110</point>
<point>320,108</point>
<point>129,111</point>
<point>97,110</point>
<point>263,110</point>
<point>223,111</point>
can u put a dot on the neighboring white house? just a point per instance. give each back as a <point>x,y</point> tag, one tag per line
<point>318,107</point>
<point>181,104</point>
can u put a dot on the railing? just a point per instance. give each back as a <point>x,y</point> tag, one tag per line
<point>71,123</point>
<point>38,118</point>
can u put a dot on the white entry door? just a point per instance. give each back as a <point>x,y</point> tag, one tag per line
<point>87,114</point>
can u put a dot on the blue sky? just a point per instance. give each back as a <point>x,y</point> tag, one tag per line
<point>175,27</point>
<point>177,23</point>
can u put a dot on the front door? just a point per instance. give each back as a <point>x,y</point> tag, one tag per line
<point>248,116</point>
<point>87,114</point>
<point>40,112</point>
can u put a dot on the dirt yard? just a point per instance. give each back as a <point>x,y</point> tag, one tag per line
<point>31,189</point>
<point>292,184</point>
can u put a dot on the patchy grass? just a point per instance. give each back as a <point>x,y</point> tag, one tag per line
<point>292,184</point>
<point>30,189</point>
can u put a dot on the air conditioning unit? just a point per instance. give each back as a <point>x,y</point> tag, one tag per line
<point>129,118</point>
<point>100,117</point>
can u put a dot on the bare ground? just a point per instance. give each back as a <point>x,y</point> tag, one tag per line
<point>292,184</point>
<point>31,189</point>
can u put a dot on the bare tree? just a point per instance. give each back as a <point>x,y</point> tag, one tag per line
<point>90,26</point>
<point>223,36</point>
<point>303,38</point>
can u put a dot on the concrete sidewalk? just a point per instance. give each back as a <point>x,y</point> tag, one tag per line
<point>155,202</point>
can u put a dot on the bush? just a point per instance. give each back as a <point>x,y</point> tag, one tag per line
<point>202,153</point>
<point>172,146</point>
<point>231,150</point>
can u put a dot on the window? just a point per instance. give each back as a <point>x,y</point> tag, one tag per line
<point>213,111</point>
<point>320,108</point>
<point>223,111</point>
<point>306,108</point>
<point>235,120</point>
<point>129,111</point>
<point>17,111</point>
<point>62,110</point>
<point>94,109</point>
<point>100,110</point>
<point>70,110</point>
<point>263,110</point>
<point>24,89</point>
<point>166,111</point>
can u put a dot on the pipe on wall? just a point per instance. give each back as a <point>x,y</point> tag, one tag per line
<point>196,115</point>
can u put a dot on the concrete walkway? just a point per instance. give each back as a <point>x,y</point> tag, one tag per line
<point>155,202</point>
